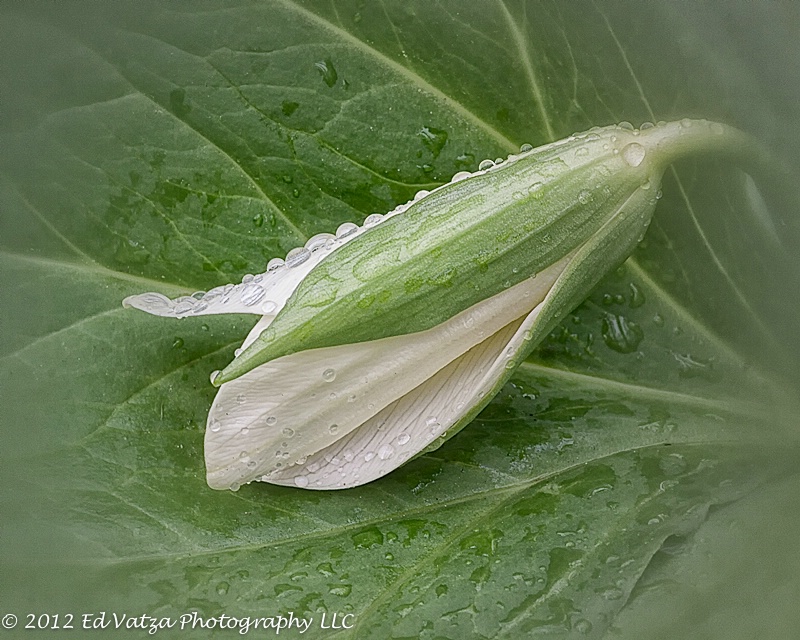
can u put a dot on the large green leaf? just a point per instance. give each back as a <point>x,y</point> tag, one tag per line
<point>177,146</point>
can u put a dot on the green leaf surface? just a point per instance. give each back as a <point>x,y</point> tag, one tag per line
<point>175,146</point>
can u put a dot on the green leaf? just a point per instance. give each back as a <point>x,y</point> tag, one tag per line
<point>179,146</point>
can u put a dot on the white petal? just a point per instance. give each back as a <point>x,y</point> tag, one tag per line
<point>262,294</point>
<point>293,407</point>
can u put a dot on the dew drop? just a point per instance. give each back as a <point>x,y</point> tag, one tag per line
<point>625,125</point>
<point>421,194</point>
<point>275,263</point>
<point>222,587</point>
<point>369,455</point>
<point>327,71</point>
<point>214,375</point>
<point>252,293</point>
<point>373,219</point>
<point>177,343</point>
<point>271,420</point>
<point>386,452</point>
<point>485,164</point>
<point>297,256</point>
<point>329,375</point>
<point>403,438</point>
<point>214,426</point>
<point>633,154</point>
<point>620,334</point>
<point>333,429</point>
<point>301,481</point>
<point>346,229</point>
<point>525,148</point>
<point>320,241</point>
<point>461,175</point>
<point>288,432</point>
<point>268,307</point>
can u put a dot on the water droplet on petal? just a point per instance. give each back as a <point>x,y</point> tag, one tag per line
<point>461,175</point>
<point>271,420</point>
<point>403,438</point>
<point>625,125</point>
<point>268,307</point>
<point>252,293</point>
<point>525,148</point>
<point>373,219</point>
<point>329,375</point>
<point>369,455</point>
<point>485,164</point>
<point>633,154</point>
<point>214,426</point>
<point>297,257</point>
<point>275,263</point>
<point>301,481</point>
<point>386,452</point>
<point>333,429</point>
<point>346,229</point>
<point>288,432</point>
<point>320,241</point>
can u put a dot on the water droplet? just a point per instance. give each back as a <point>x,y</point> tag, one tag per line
<point>485,164</point>
<point>214,375</point>
<point>301,481</point>
<point>342,590</point>
<point>258,220</point>
<point>403,438</point>
<point>320,241</point>
<point>327,71</point>
<point>297,256</point>
<point>275,263</point>
<point>333,429</point>
<point>222,587</point>
<point>686,123</point>
<point>434,139</point>
<point>271,420</point>
<point>252,293</point>
<point>625,125</point>
<point>637,297</point>
<point>633,154</point>
<point>177,343</point>
<point>329,375</point>
<point>461,175</point>
<point>373,219</point>
<point>620,334</point>
<point>525,148</point>
<point>268,307</point>
<point>214,426</point>
<point>386,452</point>
<point>346,229</point>
<point>369,455</point>
<point>421,194</point>
<point>288,432</point>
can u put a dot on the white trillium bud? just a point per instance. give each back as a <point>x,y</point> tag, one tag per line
<point>380,342</point>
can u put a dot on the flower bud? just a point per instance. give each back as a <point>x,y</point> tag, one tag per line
<point>381,342</point>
